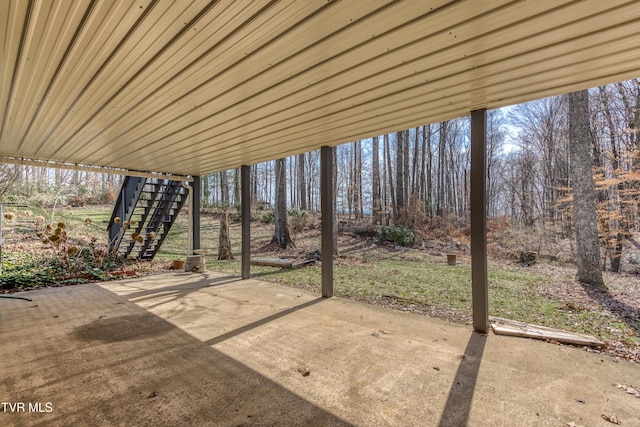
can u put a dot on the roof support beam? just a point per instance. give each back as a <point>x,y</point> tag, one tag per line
<point>326,208</point>
<point>195,212</point>
<point>479,280</point>
<point>89,168</point>
<point>245,212</point>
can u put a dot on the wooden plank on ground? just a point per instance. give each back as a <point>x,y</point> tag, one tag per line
<point>272,262</point>
<point>282,263</point>
<point>502,326</point>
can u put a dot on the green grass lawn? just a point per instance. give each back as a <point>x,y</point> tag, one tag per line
<point>412,277</point>
<point>434,283</point>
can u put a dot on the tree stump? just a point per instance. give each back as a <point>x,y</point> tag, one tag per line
<point>224,243</point>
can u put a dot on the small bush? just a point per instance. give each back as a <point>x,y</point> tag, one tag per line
<point>22,270</point>
<point>236,215</point>
<point>268,217</point>
<point>40,253</point>
<point>298,219</point>
<point>397,234</point>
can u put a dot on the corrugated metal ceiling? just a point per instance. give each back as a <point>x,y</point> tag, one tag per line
<point>193,87</point>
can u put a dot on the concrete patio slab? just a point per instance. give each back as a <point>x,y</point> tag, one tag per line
<point>210,349</point>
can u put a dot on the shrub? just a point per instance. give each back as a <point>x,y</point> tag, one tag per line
<point>298,219</point>
<point>23,270</point>
<point>397,234</point>
<point>268,217</point>
<point>236,216</point>
<point>40,253</point>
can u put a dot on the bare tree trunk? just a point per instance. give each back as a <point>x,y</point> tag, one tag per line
<point>334,181</point>
<point>384,191</point>
<point>429,172</point>
<point>9,175</point>
<point>399,178</point>
<point>254,185</point>
<point>205,190</point>
<point>267,190</point>
<point>415,182</point>
<point>224,189</point>
<point>75,180</point>
<point>224,243</point>
<point>422,178</point>
<point>236,187</point>
<point>312,177</point>
<point>442,139</point>
<point>621,227</point>
<point>405,174</point>
<point>389,173</point>
<point>587,243</point>
<point>357,180</point>
<point>375,181</point>
<point>452,184</point>
<point>293,194</point>
<point>348,164</point>
<point>281,235</point>
<point>629,94</point>
<point>634,142</point>
<point>302,182</point>
<point>42,179</point>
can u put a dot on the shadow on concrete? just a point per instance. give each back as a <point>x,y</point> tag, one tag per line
<point>121,328</point>
<point>261,322</point>
<point>184,288</point>
<point>628,314</point>
<point>131,367</point>
<point>456,410</point>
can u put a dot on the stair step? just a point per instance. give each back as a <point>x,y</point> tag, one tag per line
<point>154,204</point>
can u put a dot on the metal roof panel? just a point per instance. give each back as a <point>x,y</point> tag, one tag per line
<point>192,87</point>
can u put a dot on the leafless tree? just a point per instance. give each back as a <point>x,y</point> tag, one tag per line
<point>281,235</point>
<point>586,225</point>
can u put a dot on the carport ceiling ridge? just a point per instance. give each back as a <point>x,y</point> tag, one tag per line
<point>194,87</point>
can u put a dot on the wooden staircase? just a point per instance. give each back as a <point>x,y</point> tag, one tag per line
<point>143,215</point>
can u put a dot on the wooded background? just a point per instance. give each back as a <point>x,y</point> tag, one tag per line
<point>420,175</point>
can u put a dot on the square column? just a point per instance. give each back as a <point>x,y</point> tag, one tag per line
<point>245,213</point>
<point>478,202</point>
<point>326,209</point>
<point>195,212</point>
